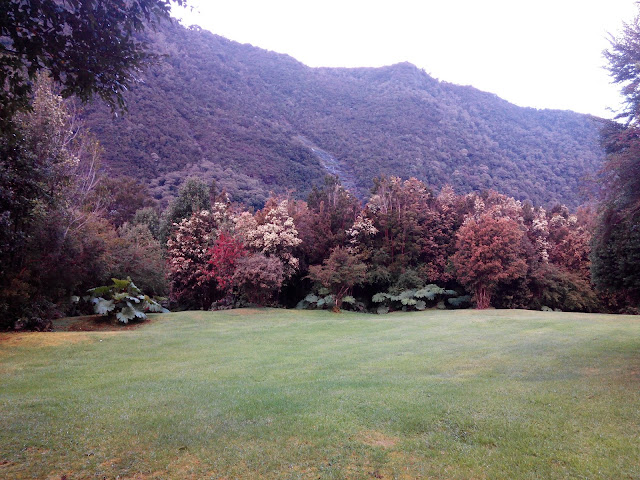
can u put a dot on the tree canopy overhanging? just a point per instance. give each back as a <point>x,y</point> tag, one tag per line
<point>90,47</point>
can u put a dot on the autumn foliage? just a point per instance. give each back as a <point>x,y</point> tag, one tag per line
<point>404,239</point>
<point>489,251</point>
<point>223,258</point>
<point>258,278</point>
<point>66,226</point>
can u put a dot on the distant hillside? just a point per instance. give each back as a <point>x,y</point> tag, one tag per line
<point>257,121</point>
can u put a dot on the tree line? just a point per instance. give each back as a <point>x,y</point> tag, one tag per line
<point>65,227</point>
<point>406,247</point>
<point>483,249</point>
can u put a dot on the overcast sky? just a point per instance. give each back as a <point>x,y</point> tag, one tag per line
<point>542,54</point>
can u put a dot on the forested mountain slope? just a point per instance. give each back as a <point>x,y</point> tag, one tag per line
<point>257,121</point>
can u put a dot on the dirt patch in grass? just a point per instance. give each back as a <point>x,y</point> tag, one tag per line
<point>627,374</point>
<point>186,466</point>
<point>631,376</point>
<point>111,463</point>
<point>377,439</point>
<point>41,339</point>
<point>69,331</point>
<point>95,323</point>
<point>304,471</point>
<point>48,339</point>
<point>37,450</point>
<point>591,371</point>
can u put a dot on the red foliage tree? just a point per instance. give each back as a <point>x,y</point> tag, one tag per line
<point>489,251</point>
<point>223,257</point>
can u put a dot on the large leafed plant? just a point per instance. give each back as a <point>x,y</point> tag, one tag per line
<point>123,300</point>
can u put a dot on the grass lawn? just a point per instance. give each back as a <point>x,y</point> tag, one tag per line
<point>498,394</point>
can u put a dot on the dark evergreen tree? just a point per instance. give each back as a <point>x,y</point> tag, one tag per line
<point>615,256</point>
<point>616,244</point>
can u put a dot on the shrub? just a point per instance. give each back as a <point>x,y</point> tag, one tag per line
<point>565,291</point>
<point>411,299</point>
<point>463,301</point>
<point>123,300</point>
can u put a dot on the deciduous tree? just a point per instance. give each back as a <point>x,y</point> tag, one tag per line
<point>192,198</point>
<point>223,258</point>
<point>271,232</point>
<point>332,211</point>
<point>259,278</point>
<point>339,273</point>
<point>488,251</point>
<point>187,251</point>
<point>140,257</point>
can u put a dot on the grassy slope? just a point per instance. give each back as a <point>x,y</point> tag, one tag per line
<point>288,394</point>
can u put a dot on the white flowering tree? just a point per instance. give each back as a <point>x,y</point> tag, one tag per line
<point>271,233</point>
<point>187,251</point>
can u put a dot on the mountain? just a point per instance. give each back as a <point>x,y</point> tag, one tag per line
<point>257,121</point>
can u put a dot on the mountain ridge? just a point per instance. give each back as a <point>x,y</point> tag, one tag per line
<point>222,110</point>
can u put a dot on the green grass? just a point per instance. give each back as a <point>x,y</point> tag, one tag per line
<point>292,394</point>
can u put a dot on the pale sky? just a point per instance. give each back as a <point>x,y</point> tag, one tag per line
<point>542,54</point>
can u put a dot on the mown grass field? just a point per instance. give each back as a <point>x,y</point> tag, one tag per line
<point>290,394</point>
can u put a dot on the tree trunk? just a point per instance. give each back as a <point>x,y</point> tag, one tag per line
<point>337,298</point>
<point>483,298</point>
